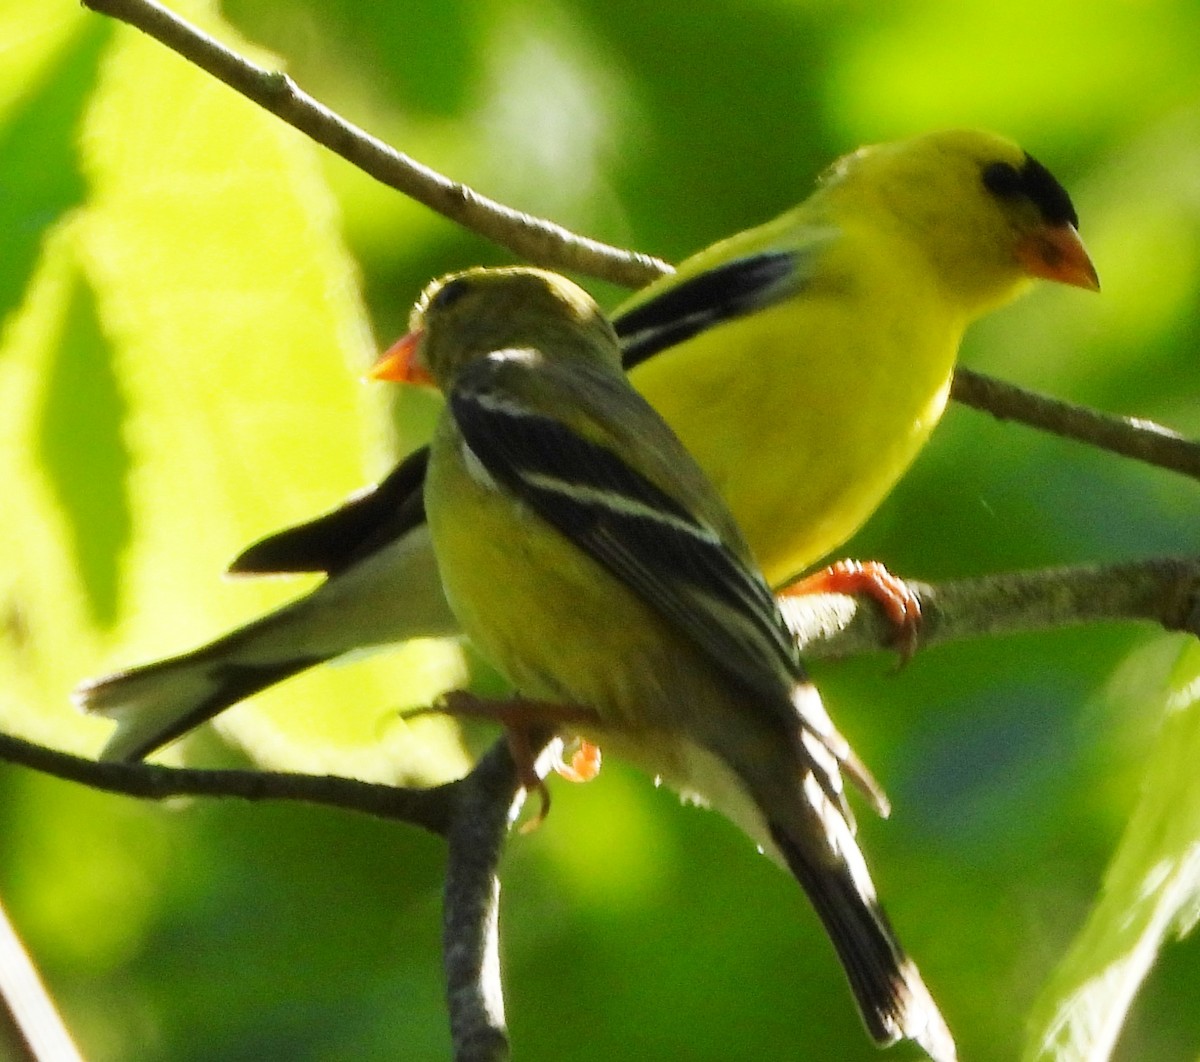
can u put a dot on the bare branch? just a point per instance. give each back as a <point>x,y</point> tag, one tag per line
<point>533,239</point>
<point>487,802</point>
<point>1164,590</point>
<point>474,813</point>
<point>1142,440</point>
<point>428,808</point>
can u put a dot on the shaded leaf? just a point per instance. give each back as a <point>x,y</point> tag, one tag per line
<point>39,157</point>
<point>1151,893</point>
<point>85,459</point>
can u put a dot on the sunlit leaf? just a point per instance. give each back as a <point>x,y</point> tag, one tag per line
<point>183,377</point>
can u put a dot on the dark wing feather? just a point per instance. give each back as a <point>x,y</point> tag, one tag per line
<point>691,306</point>
<point>677,563</point>
<point>344,536</point>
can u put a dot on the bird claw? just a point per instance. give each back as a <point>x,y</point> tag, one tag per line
<point>899,602</point>
<point>519,716</point>
<point>525,758</point>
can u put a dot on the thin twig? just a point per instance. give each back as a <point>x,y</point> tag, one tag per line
<point>1162,590</point>
<point>1142,440</point>
<point>428,808</point>
<point>474,813</point>
<point>533,239</point>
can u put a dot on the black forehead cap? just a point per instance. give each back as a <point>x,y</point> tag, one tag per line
<point>1036,183</point>
<point>1048,195</point>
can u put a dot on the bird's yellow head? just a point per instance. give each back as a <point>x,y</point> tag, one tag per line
<point>468,315</point>
<point>986,215</point>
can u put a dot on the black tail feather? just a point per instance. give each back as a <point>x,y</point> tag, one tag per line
<point>892,998</point>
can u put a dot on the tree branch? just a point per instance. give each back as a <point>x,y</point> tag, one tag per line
<point>472,814</point>
<point>1164,591</point>
<point>428,808</point>
<point>547,244</point>
<point>533,239</point>
<point>1143,440</point>
<point>487,801</point>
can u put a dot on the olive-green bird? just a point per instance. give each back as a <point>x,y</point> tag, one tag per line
<point>584,552</point>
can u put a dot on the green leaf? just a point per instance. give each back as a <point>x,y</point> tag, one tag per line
<point>183,375</point>
<point>38,155</point>
<point>83,401</point>
<point>1151,893</point>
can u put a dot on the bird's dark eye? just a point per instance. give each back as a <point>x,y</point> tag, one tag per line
<point>1003,179</point>
<point>449,293</point>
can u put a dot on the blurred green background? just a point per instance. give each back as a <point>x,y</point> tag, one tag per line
<point>188,295</point>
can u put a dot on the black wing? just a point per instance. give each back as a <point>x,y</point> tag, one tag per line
<point>722,293</point>
<point>342,537</point>
<point>677,563</point>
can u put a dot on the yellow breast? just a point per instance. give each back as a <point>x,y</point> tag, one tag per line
<point>805,450</point>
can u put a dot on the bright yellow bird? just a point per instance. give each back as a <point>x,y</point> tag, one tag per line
<point>586,555</point>
<point>811,357</point>
<point>803,363</point>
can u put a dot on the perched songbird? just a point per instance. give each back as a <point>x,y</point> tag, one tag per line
<point>811,357</point>
<point>585,554</point>
<point>803,363</point>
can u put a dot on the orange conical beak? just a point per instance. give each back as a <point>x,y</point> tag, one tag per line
<point>399,363</point>
<point>1055,252</point>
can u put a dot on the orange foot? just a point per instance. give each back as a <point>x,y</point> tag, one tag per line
<point>899,603</point>
<point>584,764</point>
<point>519,716</point>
